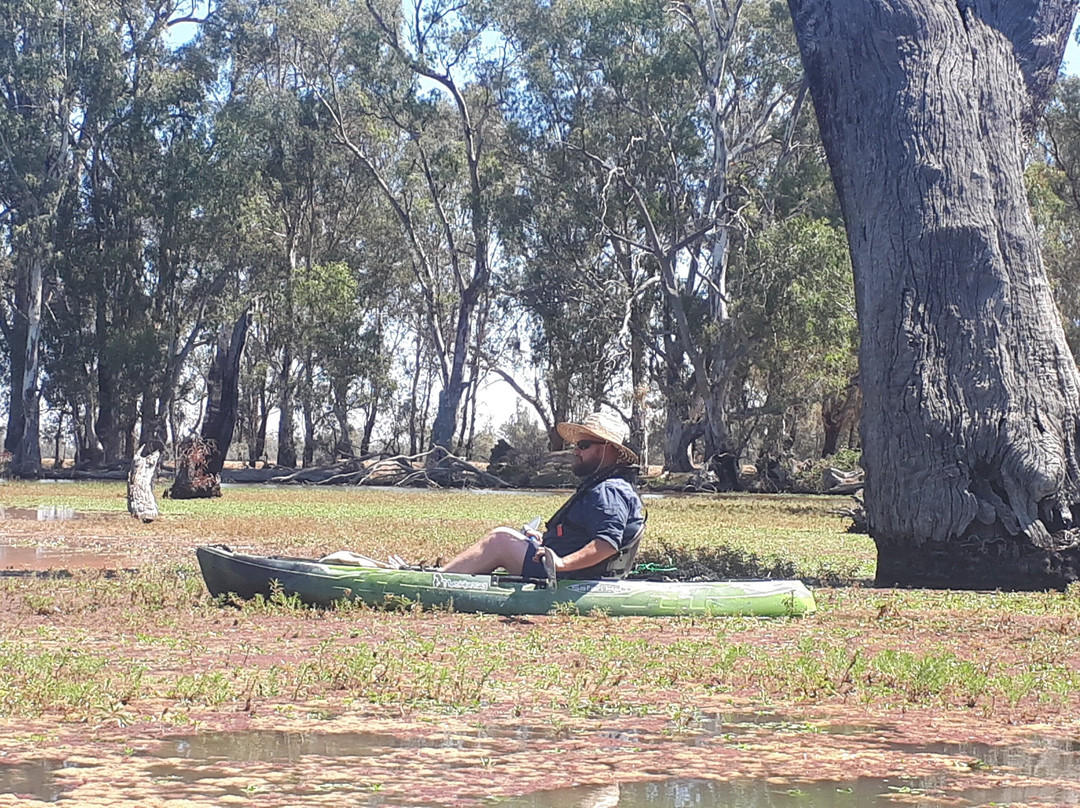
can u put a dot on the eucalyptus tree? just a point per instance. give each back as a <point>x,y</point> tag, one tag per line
<point>413,95</point>
<point>47,73</point>
<point>306,231</point>
<point>90,90</point>
<point>561,280</point>
<point>798,378</point>
<point>266,131</point>
<point>665,107</point>
<point>1054,187</point>
<point>972,398</point>
<point>141,274</point>
<point>341,341</point>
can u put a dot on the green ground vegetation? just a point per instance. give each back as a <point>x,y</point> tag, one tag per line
<point>186,653</point>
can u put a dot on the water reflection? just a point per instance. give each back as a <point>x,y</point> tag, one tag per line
<point>46,558</point>
<point>697,793</point>
<point>207,762</point>
<point>42,513</point>
<point>270,746</point>
<point>33,779</point>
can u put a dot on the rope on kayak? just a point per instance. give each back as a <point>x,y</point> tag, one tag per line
<point>649,567</point>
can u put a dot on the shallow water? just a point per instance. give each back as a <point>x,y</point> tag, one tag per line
<point>696,793</point>
<point>36,559</point>
<point>42,513</point>
<point>33,779</point>
<point>203,764</point>
<point>270,746</point>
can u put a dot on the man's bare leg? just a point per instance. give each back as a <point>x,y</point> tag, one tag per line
<point>502,547</point>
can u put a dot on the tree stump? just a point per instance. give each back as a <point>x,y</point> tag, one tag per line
<point>194,480</point>
<point>140,493</point>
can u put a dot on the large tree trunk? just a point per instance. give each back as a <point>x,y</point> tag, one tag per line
<point>679,437</point>
<point>200,459</point>
<point>24,423</point>
<point>286,453</point>
<point>224,390</point>
<point>972,398</point>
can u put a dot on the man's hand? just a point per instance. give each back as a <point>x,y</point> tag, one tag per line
<point>557,560</point>
<point>592,553</point>
<point>531,530</point>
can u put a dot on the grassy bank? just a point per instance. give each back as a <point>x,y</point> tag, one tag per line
<point>140,652</point>
<point>866,646</point>
<point>798,536</point>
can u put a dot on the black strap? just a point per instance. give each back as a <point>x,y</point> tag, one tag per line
<point>628,473</point>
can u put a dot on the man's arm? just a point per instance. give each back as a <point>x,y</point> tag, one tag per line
<point>592,553</point>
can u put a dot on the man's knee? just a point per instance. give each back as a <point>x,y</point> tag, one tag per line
<point>508,546</point>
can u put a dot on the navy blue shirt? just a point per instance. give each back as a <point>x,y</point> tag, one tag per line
<point>610,511</point>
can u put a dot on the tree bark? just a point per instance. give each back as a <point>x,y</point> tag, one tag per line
<point>224,391</point>
<point>286,452</point>
<point>200,459</point>
<point>837,411</point>
<point>140,493</point>
<point>106,423</point>
<point>193,477</point>
<point>24,422</point>
<point>17,345</point>
<point>972,399</point>
<point>679,437</point>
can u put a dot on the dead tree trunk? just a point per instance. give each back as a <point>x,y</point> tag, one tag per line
<point>194,480</point>
<point>971,397</point>
<point>140,493</point>
<point>224,390</point>
<point>198,473</point>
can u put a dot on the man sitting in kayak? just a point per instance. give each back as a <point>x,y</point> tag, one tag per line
<point>591,532</point>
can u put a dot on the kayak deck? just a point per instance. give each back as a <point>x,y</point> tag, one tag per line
<point>226,572</point>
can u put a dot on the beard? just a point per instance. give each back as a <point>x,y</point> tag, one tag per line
<point>586,468</point>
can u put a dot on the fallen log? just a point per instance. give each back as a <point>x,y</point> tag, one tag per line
<point>435,468</point>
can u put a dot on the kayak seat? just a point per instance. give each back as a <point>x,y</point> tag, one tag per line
<point>621,562</point>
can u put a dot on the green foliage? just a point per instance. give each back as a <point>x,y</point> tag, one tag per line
<point>1053,181</point>
<point>807,477</point>
<point>796,302</point>
<point>529,439</point>
<point>66,680</point>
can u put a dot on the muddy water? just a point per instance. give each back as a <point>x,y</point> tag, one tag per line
<point>40,559</point>
<point>204,765</point>
<point>43,513</point>
<point>34,779</point>
<point>684,793</point>
<point>31,559</point>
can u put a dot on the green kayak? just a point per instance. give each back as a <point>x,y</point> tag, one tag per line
<point>321,583</point>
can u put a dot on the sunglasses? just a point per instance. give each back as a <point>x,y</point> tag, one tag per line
<point>588,444</point>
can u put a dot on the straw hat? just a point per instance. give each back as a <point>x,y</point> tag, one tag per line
<point>602,427</point>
